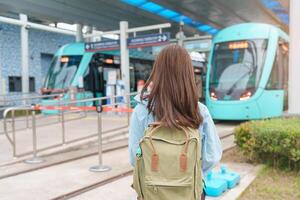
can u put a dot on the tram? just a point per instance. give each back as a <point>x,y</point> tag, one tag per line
<point>98,73</point>
<point>247,73</point>
<point>93,72</point>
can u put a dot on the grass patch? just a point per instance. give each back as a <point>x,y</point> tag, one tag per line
<point>272,183</point>
<point>235,155</point>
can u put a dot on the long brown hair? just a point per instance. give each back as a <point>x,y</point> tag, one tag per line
<point>173,97</point>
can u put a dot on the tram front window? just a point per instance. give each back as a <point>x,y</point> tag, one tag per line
<point>236,69</point>
<point>62,72</point>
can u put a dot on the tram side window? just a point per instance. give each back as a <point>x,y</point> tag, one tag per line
<point>276,79</point>
<point>285,62</point>
<point>132,77</point>
<point>284,50</point>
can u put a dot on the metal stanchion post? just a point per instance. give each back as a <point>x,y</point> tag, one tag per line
<point>27,124</point>
<point>99,167</point>
<point>35,159</point>
<point>63,127</point>
<point>85,103</point>
<point>13,125</point>
<point>128,106</point>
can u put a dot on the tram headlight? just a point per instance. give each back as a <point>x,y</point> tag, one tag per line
<point>246,95</point>
<point>213,96</point>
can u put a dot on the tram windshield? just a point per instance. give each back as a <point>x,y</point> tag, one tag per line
<point>62,72</point>
<point>236,69</point>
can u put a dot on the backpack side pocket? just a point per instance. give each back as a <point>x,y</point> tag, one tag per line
<point>137,176</point>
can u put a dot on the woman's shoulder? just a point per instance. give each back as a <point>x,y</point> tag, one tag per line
<point>140,109</point>
<point>203,109</point>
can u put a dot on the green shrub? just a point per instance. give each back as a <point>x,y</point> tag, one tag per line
<point>272,141</point>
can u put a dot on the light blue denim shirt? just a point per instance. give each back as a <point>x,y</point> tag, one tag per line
<point>211,145</point>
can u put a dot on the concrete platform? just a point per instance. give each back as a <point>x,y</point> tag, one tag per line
<point>108,191</point>
<point>55,181</point>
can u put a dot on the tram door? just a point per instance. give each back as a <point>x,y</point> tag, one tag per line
<point>93,79</point>
<point>101,76</point>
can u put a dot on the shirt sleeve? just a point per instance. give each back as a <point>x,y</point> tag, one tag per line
<point>136,132</point>
<point>211,144</point>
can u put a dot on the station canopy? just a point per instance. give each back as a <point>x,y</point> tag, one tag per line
<point>199,16</point>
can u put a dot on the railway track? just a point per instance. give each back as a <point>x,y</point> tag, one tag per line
<point>117,144</point>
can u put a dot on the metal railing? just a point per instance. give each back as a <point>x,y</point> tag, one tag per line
<point>27,102</point>
<point>23,98</point>
<point>31,110</point>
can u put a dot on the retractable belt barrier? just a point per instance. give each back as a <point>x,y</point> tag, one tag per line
<point>83,108</point>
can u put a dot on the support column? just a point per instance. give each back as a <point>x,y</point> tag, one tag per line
<point>124,55</point>
<point>1,86</point>
<point>95,39</point>
<point>2,80</point>
<point>180,35</point>
<point>89,30</point>
<point>79,34</point>
<point>294,60</point>
<point>24,54</point>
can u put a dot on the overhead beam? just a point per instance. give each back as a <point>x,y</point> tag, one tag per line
<point>131,30</point>
<point>148,28</point>
<point>35,26</point>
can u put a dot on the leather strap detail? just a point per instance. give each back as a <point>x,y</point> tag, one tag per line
<point>155,124</point>
<point>183,162</point>
<point>154,162</point>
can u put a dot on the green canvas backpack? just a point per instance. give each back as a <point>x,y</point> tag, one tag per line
<point>168,165</point>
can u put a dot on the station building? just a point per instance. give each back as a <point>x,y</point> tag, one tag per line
<point>42,47</point>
